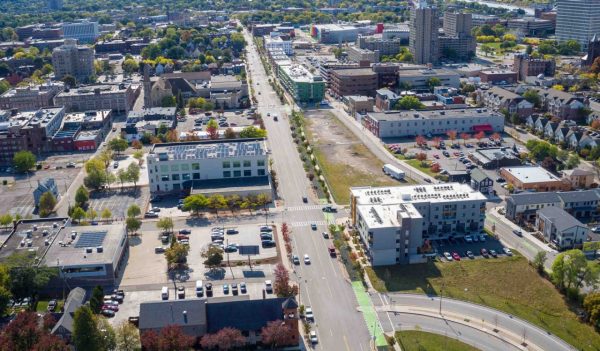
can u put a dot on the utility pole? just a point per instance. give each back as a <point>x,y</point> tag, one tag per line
<point>441,296</point>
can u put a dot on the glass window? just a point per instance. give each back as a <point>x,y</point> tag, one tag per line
<point>164,168</point>
<point>226,174</point>
<point>195,166</point>
<point>226,164</point>
<point>247,173</point>
<point>164,178</point>
<point>176,187</point>
<point>196,176</point>
<point>260,163</point>
<point>246,163</point>
<point>175,176</point>
<point>236,164</point>
<point>237,173</point>
<point>185,176</point>
<point>261,172</point>
<point>174,168</point>
<point>185,167</point>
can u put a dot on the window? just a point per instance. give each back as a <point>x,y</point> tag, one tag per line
<point>236,164</point>
<point>226,164</point>
<point>247,173</point>
<point>185,167</point>
<point>226,174</point>
<point>164,168</point>
<point>237,173</point>
<point>260,163</point>
<point>164,178</point>
<point>185,176</point>
<point>196,176</point>
<point>175,176</point>
<point>174,168</point>
<point>195,166</point>
<point>261,172</point>
<point>247,163</point>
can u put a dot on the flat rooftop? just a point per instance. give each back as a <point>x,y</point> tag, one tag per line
<point>450,192</point>
<point>298,73</point>
<point>209,150</point>
<point>531,174</point>
<point>87,117</point>
<point>384,216</point>
<point>435,114</point>
<point>34,236</point>
<point>86,245</point>
<point>421,71</point>
<point>153,111</point>
<point>95,89</point>
<point>354,72</point>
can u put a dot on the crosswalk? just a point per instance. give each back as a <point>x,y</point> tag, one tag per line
<point>303,208</point>
<point>307,223</point>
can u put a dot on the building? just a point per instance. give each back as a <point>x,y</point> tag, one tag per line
<point>278,43</point>
<point>593,51</point>
<point>424,25</point>
<point>118,98</point>
<point>47,185</point>
<point>494,158</point>
<point>241,165</point>
<point>199,316</point>
<point>262,29</point>
<point>359,55</point>
<point>498,76</point>
<point>457,43</point>
<point>359,104</point>
<point>581,204</point>
<point>412,123</point>
<point>395,222</point>
<point>561,104</point>
<point>83,32</point>
<point>533,178</point>
<point>30,97</point>
<point>526,66</point>
<point>531,26</point>
<point>72,59</point>
<point>358,81</point>
<point>334,33</point>
<point>457,24</point>
<point>417,78</point>
<point>577,19</point>
<point>385,47</point>
<point>481,182</point>
<point>385,99</point>
<point>64,327</point>
<point>560,229</point>
<point>497,98</point>
<point>88,256</point>
<point>579,178</point>
<point>303,86</point>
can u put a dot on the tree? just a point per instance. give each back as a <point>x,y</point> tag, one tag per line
<point>47,204</point>
<point>122,176</point>
<point>26,278</point>
<point>96,174</point>
<point>533,97</point>
<point>136,144</point>
<point>409,102</point>
<point>78,213</point>
<point>539,261</point>
<point>282,287</point>
<point>133,211</point>
<point>213,257</point>
<point>253,132</point>
<point>168,101</point>
<point>6,220</point>
<point>106,156</point>
<point>86,335</point>
<point>435,168</point>
<point>217,202</point>
<point>108,337</point>
<point>421,156</point>
<point>177,254</point>
<point>97,299</point>
<point>130,66</point>
<point>82,196</point>
<point>132,224</point>
<point>558,87</point>
<point>118,145</point>
<point>452,135</point>
<point>69,81</point>
<point>465,137</point>
<point>539,150</point>
<point>486,48</point>
<point>127,337</point>
<point>133,173</point>
<point>23,161</point>
<point>479,135</point>
<point>591,304</point>
<point>106,214</point>
<point>195,203</point>
<point>139,156</point>
<point>277,334</point>
<point>595,68</point>
<point>24,333</point>
<point>571,270</point>
<point>170,338</point>
<point>433,82</point>
<point>91,214</point>
<point>5,295</point>
<point>212,128</point>
<point>225,339</point>
<point>165,224</point>
<point>230,134</point>
<point>420,140</point>
<point>572,161</point>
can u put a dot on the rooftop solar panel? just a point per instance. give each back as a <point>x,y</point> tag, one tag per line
<point>92,239</point>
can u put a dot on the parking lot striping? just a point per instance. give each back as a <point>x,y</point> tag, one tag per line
<point>307,223</point>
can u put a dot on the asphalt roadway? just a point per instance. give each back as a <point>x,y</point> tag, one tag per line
<point>323,284</point>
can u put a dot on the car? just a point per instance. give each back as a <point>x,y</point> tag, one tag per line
<point>243,289</point>
<point>493,253</point>
<point>313,226</point>
<point>296,259</point>
<point>446,153</point>
<point>313,337</point>
<point>117,297</point>
<point>217,230</point>
<point>469,254</point>
<point>185,231</point>
<point>116,165</point>
<point>482,237</point>
<point>517,232</point>
<point>484,253</point>
<point>108,313</point>
<point>325,235</point>
<point>180,292</point>
<point>596,229</point>
<point>306,259</point>
<point>475,238</point>
<point>155,209</point>
<point>308,314</point>
<point>436,156</point>
<point>230,248</point>
<point>456,256</point>
<point>304,199</point>
<point>209,291</point>
<point>150,215</point>
<point>234,288</point>
<point>269,286</point>
<point>500,180</point>
<point>266,228</point>
<point>268,113</point>
<point>52,305</point>
<point>329,208</point>
<point>225,289</point>
<point>268,243</point>
<point>331,250</point>
<point>232,231</point>
<point>468,238</point>
<point>71,165</point>
<point>266,236</point>
<point>447,256</point>
<point>507,251</point>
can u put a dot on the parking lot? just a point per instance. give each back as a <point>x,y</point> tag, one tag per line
<point>198,121</point>
<point>460,246</point>
<point>117,200</point>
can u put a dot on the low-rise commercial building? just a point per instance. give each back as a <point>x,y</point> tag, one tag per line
<point>527,66</point>
<point>394,222</point>
<point>334,33</point>
<point>530,26</point>
<point>360,104</point>
<point>494,76</point>
<point>413,123</point>
<point>359,81</point>
<point>278,43</point>
<point>533,178</point>
<point>579,178</point>
<point>356,54</point>
<point>386,47</point>
<point>417,78</point>
<point>560,229</point>
<point>118,98</point>
<point>490,158</point>
<point>302,85</point>
<point>84,31</point>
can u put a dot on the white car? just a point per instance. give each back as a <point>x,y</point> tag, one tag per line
<point>308,313</point>
<point>306,259</point>
<point>507,251</point>
<point>468,238</point>
<point>313,337</point>
<point>448,256</point>
<point>268,286</point>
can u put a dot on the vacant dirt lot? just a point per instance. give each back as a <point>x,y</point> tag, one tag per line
<point>345,161</point>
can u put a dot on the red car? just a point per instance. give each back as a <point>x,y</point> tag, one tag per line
<point>111,307</point>
<point>456,256</point>
<point>456,154</point>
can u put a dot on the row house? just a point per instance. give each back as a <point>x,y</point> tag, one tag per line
<point>579,140</point>
<point>497,98</point>
<point>581,204</point>
<point>557,131</point>
<point>561,104</point>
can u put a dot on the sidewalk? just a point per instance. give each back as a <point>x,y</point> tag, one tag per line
<point>493,213</point>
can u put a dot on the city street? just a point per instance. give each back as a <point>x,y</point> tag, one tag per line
<point>323,285</point>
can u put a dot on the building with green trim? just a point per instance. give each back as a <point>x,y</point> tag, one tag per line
<point>301,84</point>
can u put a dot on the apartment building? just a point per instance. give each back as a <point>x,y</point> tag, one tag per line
<point>497,99</point>
<point>387,47</point>
<point>118,98</point>
<point>582,204</point>
<point>31,97</point>
<point>302,85</point>
<point>72,59</point>
<point>423,41</point>
<point>360,81</point>
<point>526,66</point>
<point>84,31</point>
<point>356,54</point>
<point>560,229</point>
<point>394,222</point>
<point>577,19</point>
<point>278,43</point>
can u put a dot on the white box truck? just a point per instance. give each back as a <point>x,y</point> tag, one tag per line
<point>393,171</point>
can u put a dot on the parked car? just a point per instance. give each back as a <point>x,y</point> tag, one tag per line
<point>185,231</point>
<point>225,289</point>
<point>296,259</point>
<point>313,337</point>
<point>484,253</point>
<point>493,253</point>
<point>108,313</point>
<point>234,288</point>
<point>475,238</point>
<point>456,256</point>
<point>52,305</point>
<point>116,165</point>
<point>596,229</point>
<point>232,231</point>
<point>180,292</point>
<point>331,250</point>
<point>71,165</point>
<point>266,236</point>
<point>268,286</point>
<point>468,238</point>
<point>308,314</point>
<point>209,291</point>
<point>482,237</point>
<point>150,215</point>
<point>447,256</point>
<point>304,199</point>
<point>469,254</point>
<point>507,251</point>
<point>517,232</point>
<point>243,289</point>
<point>325,235</point>
<point>268,243</point>
<point>329,208</point>
<point>306,259</point>
<point>266,228</point>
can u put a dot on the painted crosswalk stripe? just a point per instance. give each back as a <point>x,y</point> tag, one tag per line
<point>307,223</point>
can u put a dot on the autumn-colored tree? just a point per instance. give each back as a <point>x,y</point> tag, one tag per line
<point>435,168</point>
<point>136,144</point>
<point>155,140</point>
<point>465,137</point>
<point>277,334</point>
<point>282,286</point>
<point>595,124</point>
<point>212,128</point>
<point>172,136</point>
<point>420,140</point>
<point>24,333</point>
<point>225,339</point>
<point>479,135</point>
<point>170,338</point>
<point>421,156</point>
<point>451,135</point>
<point>437,141</point>
<point>496,137</point>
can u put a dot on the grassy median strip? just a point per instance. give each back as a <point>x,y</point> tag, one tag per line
<point>508,284</point>
<point>414,340</point>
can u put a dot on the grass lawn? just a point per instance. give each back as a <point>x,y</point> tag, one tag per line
<point>414,340</point>
<point>508,284</point>
<point>42,305</point>
<point>417,164</point>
